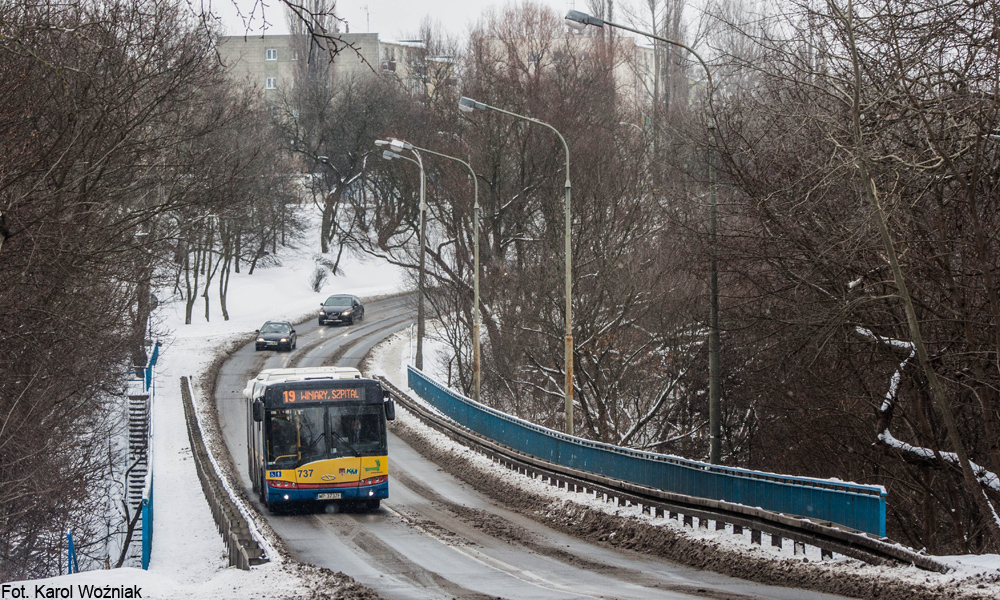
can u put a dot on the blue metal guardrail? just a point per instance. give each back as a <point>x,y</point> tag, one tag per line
<point>860,507</point>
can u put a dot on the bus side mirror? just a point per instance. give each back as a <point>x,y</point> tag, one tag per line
<point>258,411</point>
<point>389,405</point>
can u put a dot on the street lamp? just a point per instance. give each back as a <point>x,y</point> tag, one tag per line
<point>476,357</point>
<point>578,21</point>
<point>469,105</point>
<point>397,147</point>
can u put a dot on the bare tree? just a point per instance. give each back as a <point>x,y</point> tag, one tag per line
<point>332,125</point>
<point>857,156</point>
<point>100,115</point>
<point>520,60</point>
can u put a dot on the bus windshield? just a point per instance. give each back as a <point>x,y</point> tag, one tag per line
<point>300,435</point>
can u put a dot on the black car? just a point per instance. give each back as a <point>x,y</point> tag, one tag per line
<point>276,335</point>
<point>341,308</point>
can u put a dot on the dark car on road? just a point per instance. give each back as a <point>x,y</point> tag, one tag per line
<point>276,335</point>
<point>341,308</point>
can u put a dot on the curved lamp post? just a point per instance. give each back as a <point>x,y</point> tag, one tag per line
<point>578,21</point>
<point>469,105</point>
<point>475,277</point>
<point>397,147</point>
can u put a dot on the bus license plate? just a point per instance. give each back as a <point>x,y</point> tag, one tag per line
<point>330,496</point>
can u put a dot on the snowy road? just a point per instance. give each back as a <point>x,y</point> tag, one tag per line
<point>436,537</point>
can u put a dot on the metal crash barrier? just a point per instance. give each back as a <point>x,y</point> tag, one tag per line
<point>244,551</point>
<point>860,507</point>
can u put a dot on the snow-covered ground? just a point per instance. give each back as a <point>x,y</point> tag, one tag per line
<point>188,557</point>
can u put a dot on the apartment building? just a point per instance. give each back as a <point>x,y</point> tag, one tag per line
<point>269,62</point>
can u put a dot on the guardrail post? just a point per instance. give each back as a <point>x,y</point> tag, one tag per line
<point>799,548</point>
<point>776,540</point>
<point>688,521</point>
<point>720,525</point>
<point>755,536</point>
<point>737,529</point>
<point>825,554</point>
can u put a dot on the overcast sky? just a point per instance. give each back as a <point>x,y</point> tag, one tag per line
<point>393,19</point>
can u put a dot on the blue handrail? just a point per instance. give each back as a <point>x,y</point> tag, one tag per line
<point>860,507</point>
<point>147,491</point>
<point>148,374</point>
<point>72,566</point>
<point>147,520</point>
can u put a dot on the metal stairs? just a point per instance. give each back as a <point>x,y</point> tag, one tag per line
<point>138,457</point>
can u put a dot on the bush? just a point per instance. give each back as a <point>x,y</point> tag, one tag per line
<point>319,278</point>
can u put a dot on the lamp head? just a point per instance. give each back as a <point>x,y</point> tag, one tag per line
<point>469,105</point>
<point>389,155</point>
<point>381,143</point>
<point>400,145</point>
<point>578,21</point>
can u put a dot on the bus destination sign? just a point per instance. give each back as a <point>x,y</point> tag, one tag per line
<point>290,396</point>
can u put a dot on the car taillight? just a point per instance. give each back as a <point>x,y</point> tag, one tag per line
<point>375,480</point>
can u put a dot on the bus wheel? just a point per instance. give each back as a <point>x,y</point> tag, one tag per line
<point>373,504</point>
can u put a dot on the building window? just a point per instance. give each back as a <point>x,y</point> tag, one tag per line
<point>271,83</point>
<point>271,54</point>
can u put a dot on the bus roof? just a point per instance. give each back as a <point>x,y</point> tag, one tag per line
<point>268,376</point>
